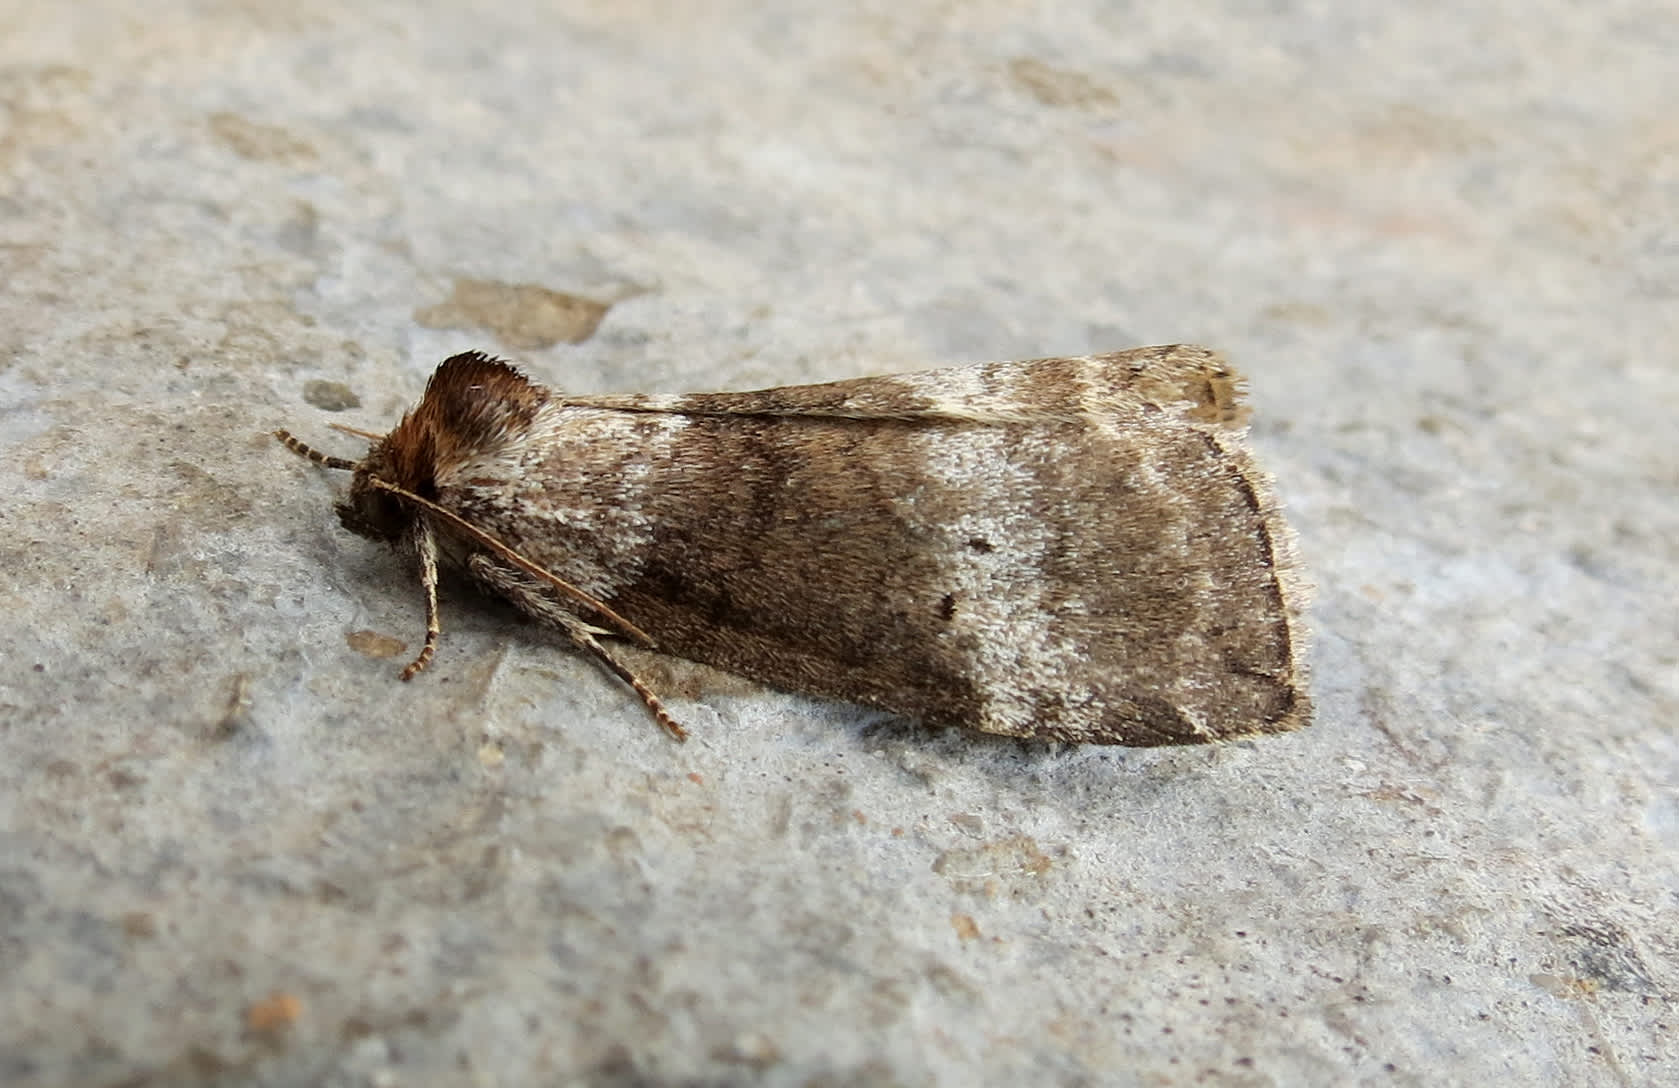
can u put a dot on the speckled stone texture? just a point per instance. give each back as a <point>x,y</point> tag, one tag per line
<point>234,849</point>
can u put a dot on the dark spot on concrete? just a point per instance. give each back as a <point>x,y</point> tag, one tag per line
<point>259,142</point>
<point>330,396</point>
<point>523,316</point>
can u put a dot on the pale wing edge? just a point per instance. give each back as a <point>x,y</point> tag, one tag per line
<point>1193,381</point>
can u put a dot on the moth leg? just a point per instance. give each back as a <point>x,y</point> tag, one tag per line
<point>425,549</point>
<point>584,640</point>
<point>531,597</point>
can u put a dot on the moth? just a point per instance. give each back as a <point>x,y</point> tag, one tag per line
<point>1078,549</point>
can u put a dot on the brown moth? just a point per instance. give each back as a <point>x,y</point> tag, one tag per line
<point>1077,549</point>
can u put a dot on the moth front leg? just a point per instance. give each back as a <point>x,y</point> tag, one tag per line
<point>536,599</point>
<point>425,553</point>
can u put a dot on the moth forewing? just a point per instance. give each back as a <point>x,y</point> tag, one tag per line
<point>1079,549</point>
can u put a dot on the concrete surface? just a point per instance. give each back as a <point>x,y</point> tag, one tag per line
<point>233,849</point>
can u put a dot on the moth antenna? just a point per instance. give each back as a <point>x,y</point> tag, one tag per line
<point>369,435</point>
<point>594,604</point>
<point>425,547</point>
<point>308,452</point>
<point>581,637</point>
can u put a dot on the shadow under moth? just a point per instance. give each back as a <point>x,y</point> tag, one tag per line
<point>1076,549</point>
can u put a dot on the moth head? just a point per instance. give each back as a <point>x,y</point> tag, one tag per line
<point>370,511</point>
<point>371,508</point>
<point>473,404</point>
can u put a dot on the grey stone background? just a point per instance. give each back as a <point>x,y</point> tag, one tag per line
<point>1442,240</point>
